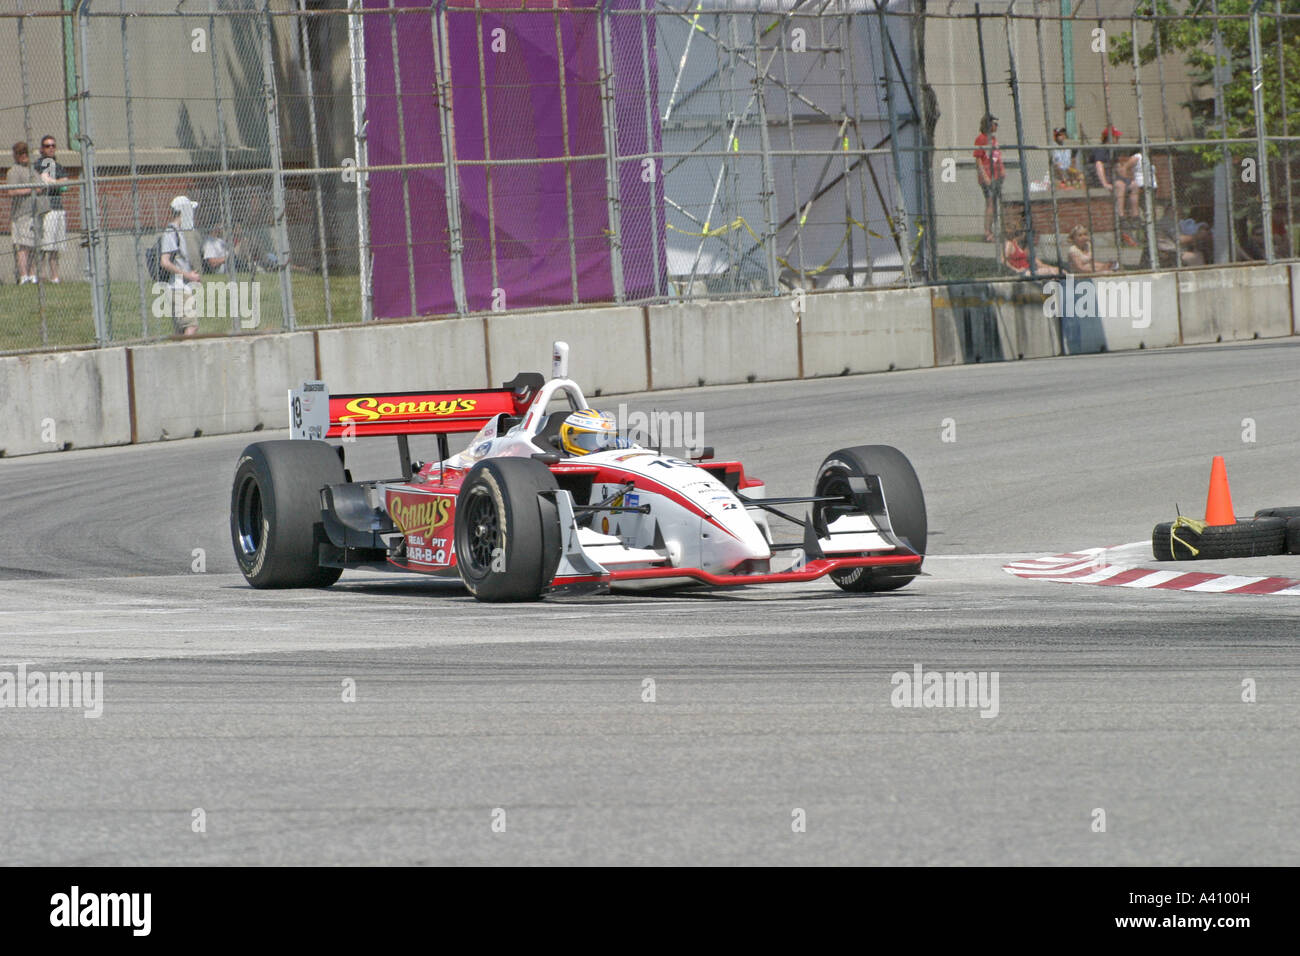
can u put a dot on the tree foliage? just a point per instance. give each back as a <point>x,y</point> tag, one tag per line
<point>1187,27</point>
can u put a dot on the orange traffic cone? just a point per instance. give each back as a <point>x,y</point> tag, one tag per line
<point>1218,504</point>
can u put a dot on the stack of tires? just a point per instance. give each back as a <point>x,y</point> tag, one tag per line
<point>1270,531</point>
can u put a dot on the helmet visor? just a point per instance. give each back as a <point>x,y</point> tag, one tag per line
<point>592,441</point>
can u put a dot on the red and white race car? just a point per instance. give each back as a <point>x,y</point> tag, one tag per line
<point>515,516</point>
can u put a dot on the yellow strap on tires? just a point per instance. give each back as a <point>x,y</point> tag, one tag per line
<point>1196,525</point>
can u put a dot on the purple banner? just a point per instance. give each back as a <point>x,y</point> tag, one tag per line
<point>535,74</point>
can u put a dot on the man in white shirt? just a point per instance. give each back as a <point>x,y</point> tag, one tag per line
<point>174,258</point>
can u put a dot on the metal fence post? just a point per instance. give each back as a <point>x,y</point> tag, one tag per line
<point>903,239</point>
<point>1223,180</point>
<point>488,181</point>
<point>447,134</point>
<point>1144,158</point>
<point>401,158</point>
<point>1286,134</point>
<point>1047,128</point>
<point>609,126</point>
<point>1164,116</point>
<point>281,231</point>
<point>309,67</point>
<point>1020,147</point>
<point>136,224</point>
<point>227,219</point>
<point>357,72</point>
<point>1257,86</point>
<point>564,139</point>
<point>35,254</point>
<point>656,162</point>
<point>89,195</point>
<point>769,184</point>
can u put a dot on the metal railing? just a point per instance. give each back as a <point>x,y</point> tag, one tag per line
<point>353,160</point>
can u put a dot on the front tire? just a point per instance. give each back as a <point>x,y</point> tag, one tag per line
<point>903,498</point>
<point>507,535</point>
<point>275,520</point>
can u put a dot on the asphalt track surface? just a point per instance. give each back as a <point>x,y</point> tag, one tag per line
<point>768,701</point>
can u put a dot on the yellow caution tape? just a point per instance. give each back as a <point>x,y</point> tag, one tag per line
<point>740,223</point>
<point>1195,524</point>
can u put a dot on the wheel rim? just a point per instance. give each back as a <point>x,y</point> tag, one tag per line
<point>484,527</point>
<point>248,517</point>
<point>834,482</point>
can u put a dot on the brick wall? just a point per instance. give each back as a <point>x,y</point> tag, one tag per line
<point>1075,206</point>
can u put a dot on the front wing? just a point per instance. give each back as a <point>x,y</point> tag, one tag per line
<point>581,564</point>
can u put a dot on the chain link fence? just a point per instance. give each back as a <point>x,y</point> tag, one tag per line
<point>341,161</point>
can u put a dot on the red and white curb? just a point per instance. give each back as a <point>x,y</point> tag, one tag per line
<point>1116,567</point>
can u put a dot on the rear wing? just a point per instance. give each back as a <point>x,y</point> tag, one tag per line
<point>315,414</point>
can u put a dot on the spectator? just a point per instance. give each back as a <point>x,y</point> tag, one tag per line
<point>54,225</point>
<point>1281,237</point>
<point>1252,232</point>
<point>1103,171</point>
<point>1101,161</point>
<point>1079,255</point>
<point>174,258</point>
<point>1195,243</point>
<point>1139,168</point>
<point>216,251</point>
<point>22,213</point>
<point>1067,174</point>
<point>988,166</point>
<point>1016,256</point>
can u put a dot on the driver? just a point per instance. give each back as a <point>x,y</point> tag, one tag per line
<point>587,430</point>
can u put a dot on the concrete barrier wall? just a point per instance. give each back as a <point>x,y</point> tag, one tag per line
<point>846,332</point>
<point>213,386</point>
<point>718,343</point>
<point>607,347</point>
<point>968,327</point>
<point>63,400</point>
<point>413,355</point>
<point>1027,331</point>
<point>1230,304</point>
<point>1295,299</point>
<point>1150,321</point>
<point>218,386</point>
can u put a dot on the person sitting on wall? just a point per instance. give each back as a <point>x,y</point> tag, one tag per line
<point>1017,257</point>
<point>1067,174</point>
<point>1080,255</point>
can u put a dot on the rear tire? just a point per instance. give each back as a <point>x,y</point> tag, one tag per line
<point>903,498</point>
<point>275,520</point>
<point>507,536</point>
<point>1292,516</point>
<point>1292,512</point>
<point>1248,538</point>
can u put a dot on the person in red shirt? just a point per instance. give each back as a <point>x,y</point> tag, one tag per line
<point>988,166</point>
<point>1016,256</point>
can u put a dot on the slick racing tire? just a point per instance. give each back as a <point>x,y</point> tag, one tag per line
<point>903,498</point>
<point>1293,512</point>
<point>507,535</point>
<point>1292,516</point>
<point>275,520</point>
<point>1248,538</point>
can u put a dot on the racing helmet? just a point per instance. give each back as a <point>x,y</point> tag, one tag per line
<point>588,430</point>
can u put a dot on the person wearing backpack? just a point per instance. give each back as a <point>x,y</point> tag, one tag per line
<point>174,268</point>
